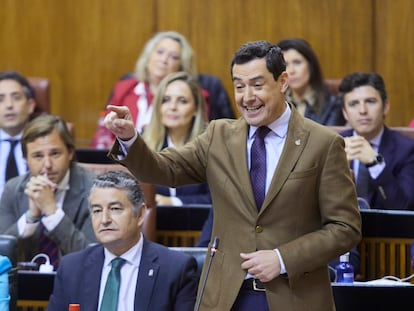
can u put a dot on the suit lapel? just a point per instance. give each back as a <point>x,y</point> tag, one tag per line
<point>296,140</point>
<point>147,275</point>
<point>236,145</point>
<point>73,197</point>
<point>387,146</point>
<point>91,282</point>
<point>23,201</point>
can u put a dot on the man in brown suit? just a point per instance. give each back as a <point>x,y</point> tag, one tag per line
<point>273,255</point>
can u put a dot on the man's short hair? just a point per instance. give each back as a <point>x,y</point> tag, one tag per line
<point>42,126</point>
<point>275,63</point>
<point>19,78</point>
<point>358,79</point>
<point>122,180</point>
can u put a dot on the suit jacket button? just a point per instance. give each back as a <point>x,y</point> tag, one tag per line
<point>259,229</point>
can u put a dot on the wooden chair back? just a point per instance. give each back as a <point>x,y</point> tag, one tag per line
<point>41,87</point>
<point>385,257</point>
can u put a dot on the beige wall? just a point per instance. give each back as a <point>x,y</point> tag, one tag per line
<point>83,47</point>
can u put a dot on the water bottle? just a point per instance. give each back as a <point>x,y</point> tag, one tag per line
<point>344,270</point>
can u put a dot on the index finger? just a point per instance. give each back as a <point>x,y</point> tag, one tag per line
<point>121,111</point>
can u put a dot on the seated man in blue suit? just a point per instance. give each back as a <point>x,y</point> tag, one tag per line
<point>385,156</point>
<point>152,277</point>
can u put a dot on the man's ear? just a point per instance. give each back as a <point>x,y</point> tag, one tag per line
<point>345,114</point>
<point>386,107</point>
<point>142,213</point>
<point>284,81</point>
<point>32,105</point>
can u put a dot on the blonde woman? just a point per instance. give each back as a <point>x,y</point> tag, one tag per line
<point>165,53</point>
<point>179,115</point>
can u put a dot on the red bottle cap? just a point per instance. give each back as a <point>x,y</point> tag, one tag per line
<point>74,307</point>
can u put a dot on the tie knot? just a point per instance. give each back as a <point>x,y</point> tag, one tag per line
<point>13,143</point>
<point>117,263</point>
<point>262,132</point>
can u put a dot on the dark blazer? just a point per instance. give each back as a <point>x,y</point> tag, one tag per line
<point>393,189</point>
<point>191,194</point>
<point>220,105</point>
<point>310,211</point>
<point>206,231</point>
<point>172,286</point>
<point>331,113</point>
<point>73,233</point>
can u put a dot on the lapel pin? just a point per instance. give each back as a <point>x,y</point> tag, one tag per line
<point>151,272</point>
<point>297,142</point>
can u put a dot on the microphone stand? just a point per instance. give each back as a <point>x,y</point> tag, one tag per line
<point>213,251</point>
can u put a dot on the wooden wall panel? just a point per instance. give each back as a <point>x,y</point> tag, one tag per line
<point>83,47</point>
<point>394,58</point>
<point>217,28</point>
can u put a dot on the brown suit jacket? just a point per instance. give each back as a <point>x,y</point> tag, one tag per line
<point>310,212</point>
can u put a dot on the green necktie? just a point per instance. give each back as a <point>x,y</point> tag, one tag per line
<point>110,296</point>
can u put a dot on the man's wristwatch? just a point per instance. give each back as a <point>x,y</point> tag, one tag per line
<point>378,159</point>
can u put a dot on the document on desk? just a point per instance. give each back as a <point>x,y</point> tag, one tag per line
<point>387,282</point>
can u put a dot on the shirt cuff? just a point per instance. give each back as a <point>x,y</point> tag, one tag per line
<point>125,145</point>
<point>50,222</point>
<point>376,170</point>
<point>176,201</point>
<point>24,228</point>
<point>282,264</point>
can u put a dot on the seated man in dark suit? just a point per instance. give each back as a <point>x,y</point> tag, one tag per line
<point>47,208</point>
<point>16,108</point>
<point>382,159</point>
<point>152,277</point>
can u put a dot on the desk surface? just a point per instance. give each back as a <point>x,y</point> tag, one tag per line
<point>365,296</point>
<point>387,223</point>
<point>186,217</point>
<point>33,285</point>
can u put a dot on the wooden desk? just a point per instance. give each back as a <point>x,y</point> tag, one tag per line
<point>385,246</point>
<point>34,289</point>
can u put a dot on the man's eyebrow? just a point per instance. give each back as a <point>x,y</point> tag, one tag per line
<point>251,79</point>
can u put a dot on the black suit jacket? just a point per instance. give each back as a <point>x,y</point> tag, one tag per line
<point>171,286</point>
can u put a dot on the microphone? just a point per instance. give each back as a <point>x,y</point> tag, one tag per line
<point>213,250</point>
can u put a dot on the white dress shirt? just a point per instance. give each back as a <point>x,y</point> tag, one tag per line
<point>274,143</point>
<point>129,276</point>
<point>144,107</point>
<point>4,154</point>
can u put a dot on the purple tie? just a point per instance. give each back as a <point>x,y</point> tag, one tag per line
<point>48,246</point>
<point>258,165</point>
